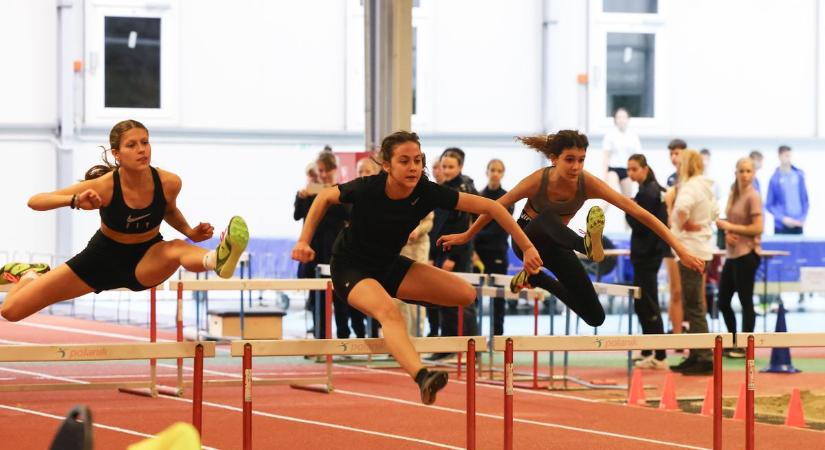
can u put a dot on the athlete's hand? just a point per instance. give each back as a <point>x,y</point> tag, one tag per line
<point>88,199</point>
<point>692,261</point>
<point>532,260</point>
<point>302,252</point>
<point>201,232</point>
<point>448,240</point>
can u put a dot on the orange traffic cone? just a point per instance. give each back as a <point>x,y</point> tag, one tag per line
<point>636,396</point>
<point>739,412</point>
<point>668,401</point>
<point>707,405</point>
<point>795,418</point>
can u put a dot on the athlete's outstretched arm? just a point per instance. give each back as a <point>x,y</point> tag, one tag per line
<point>525,188</point>
<point>174,217</point>
<point>86,195</point>
<point>302,251</point>
<point>596,188</point>
<point>480,205</point>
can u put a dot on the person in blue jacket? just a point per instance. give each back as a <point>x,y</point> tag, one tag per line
<point>787,196</point>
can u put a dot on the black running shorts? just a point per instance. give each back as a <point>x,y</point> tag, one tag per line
<point>107,264</point>
<point>348,271</point>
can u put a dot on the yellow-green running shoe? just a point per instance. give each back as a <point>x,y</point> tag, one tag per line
<point>593,236</point>
<point>11,272</point>
<point>233,243</point>
<point>519,281</point>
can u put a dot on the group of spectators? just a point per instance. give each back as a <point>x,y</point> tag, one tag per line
<point>688,204</point>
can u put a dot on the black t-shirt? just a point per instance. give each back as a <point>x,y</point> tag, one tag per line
<point>379,226</point>
<point>493,236</point>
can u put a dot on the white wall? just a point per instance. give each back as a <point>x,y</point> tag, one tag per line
<point>28,86</point>
<point>263,65</point>
<point>742,68</point>
<point>264,85</point>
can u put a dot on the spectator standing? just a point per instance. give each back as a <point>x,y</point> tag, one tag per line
<point>491,242</point>
<point>619,143</point>
<point>694,209</point>
<point>787,196</point>
<point>742,227</point>
<point>646,253</point>
<point>674,311</point>
<point>332,224</point>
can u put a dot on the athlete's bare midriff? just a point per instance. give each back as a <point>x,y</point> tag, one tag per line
<point>533,214</point>
<point>128,238</point>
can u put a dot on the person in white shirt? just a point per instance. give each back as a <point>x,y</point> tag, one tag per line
<point>694,210</point>
<point>619,143</point>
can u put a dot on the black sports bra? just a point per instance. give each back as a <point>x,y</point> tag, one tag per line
<point>123,219</point>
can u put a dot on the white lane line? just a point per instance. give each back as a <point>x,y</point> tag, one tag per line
<point>321,424</point>
<point>531,422</point>
<point>97,425</point>
<point>526,391</point>
<point>126,337</point>
<point>43,375</point>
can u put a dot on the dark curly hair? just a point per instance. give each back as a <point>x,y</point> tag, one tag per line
<point>554,144</point>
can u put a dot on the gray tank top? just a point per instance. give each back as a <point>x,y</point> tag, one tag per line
<point>540,203</point>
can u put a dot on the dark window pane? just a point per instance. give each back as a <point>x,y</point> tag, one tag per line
<point>631,6</point>
<point>630,73</point>
<point>132,60</point>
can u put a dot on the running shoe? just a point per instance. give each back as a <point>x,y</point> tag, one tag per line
<point>519,281</point>
<point>593,236</point>
<point>432,382</point>
<point>233,243</point>
<point>11,272</point>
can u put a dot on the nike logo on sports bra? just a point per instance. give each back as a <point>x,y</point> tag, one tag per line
<point>131,219</point>
<point>414,201</point>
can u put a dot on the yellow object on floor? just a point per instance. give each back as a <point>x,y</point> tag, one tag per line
<point>180,436</point>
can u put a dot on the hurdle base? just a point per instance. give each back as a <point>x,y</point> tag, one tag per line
<point>147,392</point>
<point>322,388</point>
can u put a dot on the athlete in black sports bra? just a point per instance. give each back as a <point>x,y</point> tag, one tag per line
<point>128,250</point>
<point>367,268</point>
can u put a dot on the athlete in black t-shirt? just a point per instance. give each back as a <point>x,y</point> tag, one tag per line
<point>367,268</point>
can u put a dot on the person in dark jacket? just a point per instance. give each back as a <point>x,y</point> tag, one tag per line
<point>322,242</point>
<point>646,253</point>
<point>491,242</point>
<point>458,258</point>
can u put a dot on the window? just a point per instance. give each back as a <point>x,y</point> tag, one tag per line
<point>131,62</point>
<point>631,73</point>
<point>631,6</point>
<point>626,36</point>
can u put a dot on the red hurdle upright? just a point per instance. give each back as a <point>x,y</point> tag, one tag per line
<point>750,388</point>
<point>197,390</point>
<point>508,395</point>
<point>247,397</point>
<point>471,394</point>
<point>717,394</point>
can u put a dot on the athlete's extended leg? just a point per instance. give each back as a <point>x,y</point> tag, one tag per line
<point>164,258</point>
<point>32,294</point>
<point>371,298</point>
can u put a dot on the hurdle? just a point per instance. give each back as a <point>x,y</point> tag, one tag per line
<point>111,352</point>
<point>259,284</point>
<point>248,349</point>
<point>632,293</point>
<point>612,343</point>
<point>767,340</point>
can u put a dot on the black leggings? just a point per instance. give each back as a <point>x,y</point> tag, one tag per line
<point>555,243</point>
<point>645,270</point>
<point>738,275</point>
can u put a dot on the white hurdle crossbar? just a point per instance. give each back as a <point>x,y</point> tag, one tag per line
<point>630,292</point>
<point>112,352</point>
<point>249,348</point>
<point>613,343</point>
<point>259,284</point>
